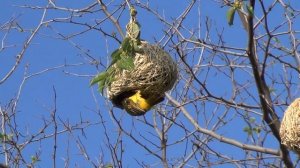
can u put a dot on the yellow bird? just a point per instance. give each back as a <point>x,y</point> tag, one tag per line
<point>138,105</point>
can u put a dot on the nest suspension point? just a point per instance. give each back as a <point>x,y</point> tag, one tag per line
<point>140,73</point>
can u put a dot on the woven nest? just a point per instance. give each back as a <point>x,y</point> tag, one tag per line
<point>153,74</point>
<point>290,126</point>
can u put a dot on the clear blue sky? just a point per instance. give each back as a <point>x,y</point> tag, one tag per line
<point>75,97</point>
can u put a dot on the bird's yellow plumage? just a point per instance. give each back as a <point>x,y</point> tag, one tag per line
<point>138,105</point>
<point>139,101</point>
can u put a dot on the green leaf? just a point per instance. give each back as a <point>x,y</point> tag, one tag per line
<point>34,159</point>
<point>101,86</point>
<point>2,137</point>
<point>104,79</point>
<point>6,137</point>
<point>126,62</point>
<point>257,130</point>
<point>250,10</point>
<point>252,120</point>
<point>100,77</point>
<point>230,15</point>
<point>116,54</point>
<point>109,80</point>
<point>247,130</point>
<point>126,44</point>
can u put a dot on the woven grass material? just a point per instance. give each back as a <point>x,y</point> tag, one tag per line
<point>153,74</point>
<point>290,127</point>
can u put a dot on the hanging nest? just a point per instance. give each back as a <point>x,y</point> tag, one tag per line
<point>153,74</point>
<point>290,127</point>
<point>139,74</point>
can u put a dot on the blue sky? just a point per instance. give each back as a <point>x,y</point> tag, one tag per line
<point>70,79</point>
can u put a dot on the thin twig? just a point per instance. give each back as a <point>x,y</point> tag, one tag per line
<point>26,45</point>
<point>110,16</point>
<point>219,137</point>
<point>55,129</point>
<point>128,4</point>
